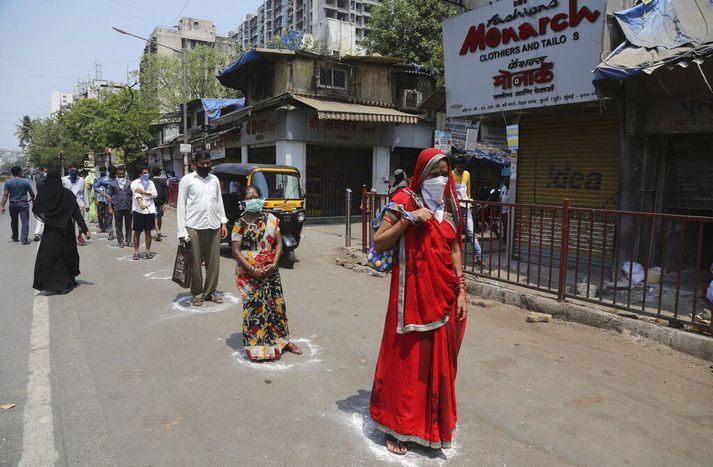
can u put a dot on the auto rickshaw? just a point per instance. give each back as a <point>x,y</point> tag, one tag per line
<point>279,185</point>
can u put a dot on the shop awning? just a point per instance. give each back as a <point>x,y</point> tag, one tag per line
<point>332,110</point>
<point>659,33</point>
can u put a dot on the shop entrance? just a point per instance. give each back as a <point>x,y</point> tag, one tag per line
<point>330,171</point>
<point>262,155</point>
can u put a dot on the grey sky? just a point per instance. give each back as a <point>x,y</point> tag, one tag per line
<point>49,45</point>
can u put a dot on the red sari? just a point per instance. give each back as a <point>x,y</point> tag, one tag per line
<point>413,396</point>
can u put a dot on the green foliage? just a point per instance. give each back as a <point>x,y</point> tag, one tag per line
<point>23,130</point>
<point>410,29</point>
<point>114,120</point>
<point>161,77</point>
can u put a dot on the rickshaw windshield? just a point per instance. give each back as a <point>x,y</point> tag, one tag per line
<point>277,185</point>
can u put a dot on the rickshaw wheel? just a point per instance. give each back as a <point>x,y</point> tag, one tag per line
<point>288,259</point>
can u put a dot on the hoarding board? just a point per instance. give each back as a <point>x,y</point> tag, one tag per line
<point>520,54</point>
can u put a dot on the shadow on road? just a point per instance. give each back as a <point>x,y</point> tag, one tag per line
<point>358,405</point>
<point>235,341</point>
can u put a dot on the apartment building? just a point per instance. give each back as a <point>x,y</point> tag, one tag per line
<point>315,17</point>
<point>59,100</point>
<point>188,34</point>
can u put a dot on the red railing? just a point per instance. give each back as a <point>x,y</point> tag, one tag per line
<point>653,264</point>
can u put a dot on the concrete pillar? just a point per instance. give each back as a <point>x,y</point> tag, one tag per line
<point>380,167</point>
<point>244,154</point>
<point>293,153</point>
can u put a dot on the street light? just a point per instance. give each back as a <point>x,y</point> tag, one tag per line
<point>183,89</point>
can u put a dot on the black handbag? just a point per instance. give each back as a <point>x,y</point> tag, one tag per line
<point>182,266</point>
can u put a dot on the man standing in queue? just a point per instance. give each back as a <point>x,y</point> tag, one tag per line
<point>201,220</point>
<point>76,185</point>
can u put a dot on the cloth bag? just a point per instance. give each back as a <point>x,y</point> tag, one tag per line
<point>384,261</point>
<point>182,266</point>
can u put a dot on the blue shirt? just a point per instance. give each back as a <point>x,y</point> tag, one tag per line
<point>18,188</point>
<point>100,189</point>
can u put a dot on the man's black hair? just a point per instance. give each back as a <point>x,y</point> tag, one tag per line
<point>201,155</point>
<point>142,168</point>
<point>156,170</point>
<point>16,171</point>
<point>73,166</point>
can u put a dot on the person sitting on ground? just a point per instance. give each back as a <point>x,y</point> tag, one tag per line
<point>57,261</point>
<point>144,211</point>
<point>257,246</point>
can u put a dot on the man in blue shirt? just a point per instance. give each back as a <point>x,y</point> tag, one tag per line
<point>17,189</point>
<point>100,191</point>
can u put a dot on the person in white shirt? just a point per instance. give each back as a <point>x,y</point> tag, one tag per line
<point>143,216</point>
<point>75,184</point>
<point>201,220</point>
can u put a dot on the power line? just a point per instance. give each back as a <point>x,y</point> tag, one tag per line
<point>101,10</point>
<point>179,13</point>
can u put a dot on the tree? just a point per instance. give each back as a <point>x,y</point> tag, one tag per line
<point>410,29</point>
<point>24,130</point>
<point>48,138</point>
<point>161,77</point>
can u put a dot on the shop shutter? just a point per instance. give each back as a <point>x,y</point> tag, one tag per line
<point>689,181</point>
<point>568,155</point>
<point>330,171</point>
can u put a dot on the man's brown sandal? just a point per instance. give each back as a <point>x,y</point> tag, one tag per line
<point>197,301</point>
<point>214,299</point>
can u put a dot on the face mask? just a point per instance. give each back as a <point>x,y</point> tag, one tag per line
<point>145,178</point>
<point>434,188</point>
<point>203,171</point>
<point>73,176</point>
<point>254,205</point>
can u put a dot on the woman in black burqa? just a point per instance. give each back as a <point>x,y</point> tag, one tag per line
<point>57,262</point>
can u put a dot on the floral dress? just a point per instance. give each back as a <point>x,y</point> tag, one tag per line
<point>265,332</point>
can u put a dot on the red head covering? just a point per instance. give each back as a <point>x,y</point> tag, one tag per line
<point>424,277</point>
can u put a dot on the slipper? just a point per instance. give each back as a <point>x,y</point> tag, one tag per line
<point>136,257</point>
<point>397,447</point>
<point>214,299</point>
<point>197,301</point>
<point>150,255</point>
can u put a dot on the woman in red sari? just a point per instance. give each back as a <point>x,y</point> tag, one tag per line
<point>413,397</point>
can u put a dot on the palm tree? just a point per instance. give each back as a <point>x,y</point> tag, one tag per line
<point>24,130</point>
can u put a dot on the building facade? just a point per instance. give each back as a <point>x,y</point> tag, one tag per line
<point>188,34</point>
<point>344,123</point>
<point>319,18</point>
<point>59,100</point>
<point>94,88</point>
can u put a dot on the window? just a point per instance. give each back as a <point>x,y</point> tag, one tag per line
<point>332,78</point>
<point>263,83</point>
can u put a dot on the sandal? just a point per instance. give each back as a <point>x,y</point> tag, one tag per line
<point>214,299</point>
<point>292,347</point>
<point>395,446</point>
<point>150,255</point>
<point>136,257</point>
<point>197,301</point>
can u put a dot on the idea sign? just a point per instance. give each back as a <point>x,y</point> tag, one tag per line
<point>518,54</point>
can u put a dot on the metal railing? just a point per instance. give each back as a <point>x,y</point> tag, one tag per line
<point>653,264</point>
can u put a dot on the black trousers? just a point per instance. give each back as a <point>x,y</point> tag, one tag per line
<point>104,216</point>
<point>122,218</point>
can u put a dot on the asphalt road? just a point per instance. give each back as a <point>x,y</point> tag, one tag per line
<point>138,377</point>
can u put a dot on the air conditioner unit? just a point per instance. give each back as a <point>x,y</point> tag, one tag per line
<point>411,98</point>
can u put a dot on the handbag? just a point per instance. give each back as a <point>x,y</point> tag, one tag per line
<point>384,261</point>
<point>182,266</point>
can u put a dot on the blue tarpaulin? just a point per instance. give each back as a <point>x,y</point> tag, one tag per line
<point>213,107</point>
<point>228,76</point>
<point>659,33</point>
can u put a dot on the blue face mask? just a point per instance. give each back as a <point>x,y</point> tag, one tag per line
<point>145,178</point>
<point>73,176</point>
<point>254,205</point>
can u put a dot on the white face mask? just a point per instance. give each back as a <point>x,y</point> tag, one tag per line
<point>434,188</point>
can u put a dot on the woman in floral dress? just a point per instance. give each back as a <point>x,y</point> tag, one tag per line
<point>257,246</point>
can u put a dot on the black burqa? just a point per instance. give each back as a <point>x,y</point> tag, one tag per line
<point>57,262</point>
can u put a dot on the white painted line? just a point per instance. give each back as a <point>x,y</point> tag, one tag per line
<point>38,431</point>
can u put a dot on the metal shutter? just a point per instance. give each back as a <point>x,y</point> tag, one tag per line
<point>689,181</point>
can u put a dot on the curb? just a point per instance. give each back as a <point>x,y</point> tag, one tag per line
<point>686,342</point>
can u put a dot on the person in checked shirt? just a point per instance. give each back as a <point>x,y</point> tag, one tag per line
<point>201,220</point>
